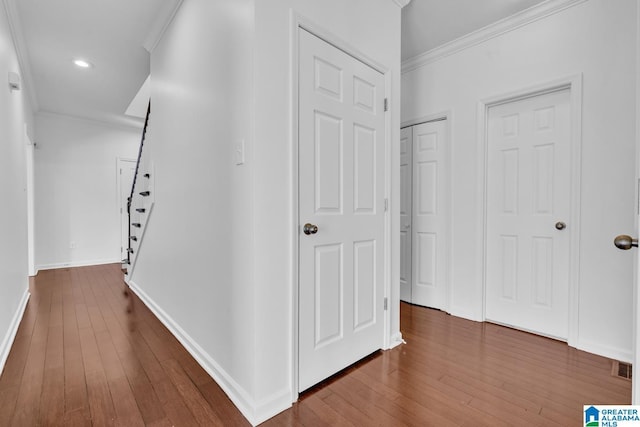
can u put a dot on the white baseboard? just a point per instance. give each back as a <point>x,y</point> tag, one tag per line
<point>396,340</point>
<point>615,353</point>
<point>10,336</point>
<point>77,264</point>
<point>270,406</point>
<point>465,313</point>
<point>254,412</point>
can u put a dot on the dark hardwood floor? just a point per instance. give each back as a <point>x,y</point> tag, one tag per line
<point>87,353</point>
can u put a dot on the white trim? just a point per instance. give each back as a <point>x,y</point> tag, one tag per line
<point>395,340</point>
<point>7,342</point>
<point>388,340</point>
<point>635,383</point>
<point>294,227</point>
<point>30,190</point>
<point>401,3</point>
<point>574,84</point>
<point>615,353</point>
<point>20,45</point>
<point>254,412</point>
<point>70,264</point>
<point>164,18</point>
<point>300,22</point>
<point>135,123</point>
<point>511,23</point>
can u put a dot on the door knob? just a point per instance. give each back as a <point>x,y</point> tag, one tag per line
<point>560,225</point>
<point>310,229</point>
<point>625,242</point>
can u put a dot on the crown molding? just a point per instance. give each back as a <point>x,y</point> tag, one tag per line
<point>114,122</point>
<point>159,27</point>
<point>511,23</point>
<point>20,46</point>
<point>401,3</point>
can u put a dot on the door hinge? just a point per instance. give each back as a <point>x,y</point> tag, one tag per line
<point>386,104</point>
<point>386,205</point>
<point>385,303</point>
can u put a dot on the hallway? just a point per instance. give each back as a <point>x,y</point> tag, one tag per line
<point>87,353</point>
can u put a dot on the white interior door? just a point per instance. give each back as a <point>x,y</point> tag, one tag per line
<point>528,206</point>
<point>341,191</point>
<point>406,138</point>
<point>430,214</point>
<point>126,171</point>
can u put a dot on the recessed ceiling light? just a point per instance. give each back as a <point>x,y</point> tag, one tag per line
<point>82,63</point>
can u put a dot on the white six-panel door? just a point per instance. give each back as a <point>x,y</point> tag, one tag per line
<point>430,214</point>
<point>406,144</point>
<point>341,191</point>
<point>528,209</point>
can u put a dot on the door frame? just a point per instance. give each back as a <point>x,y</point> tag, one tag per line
<point>572,83</point>
<point>301,23</point>
<point>446,115</point>
<point>30,189</point>
<point>635,383</point>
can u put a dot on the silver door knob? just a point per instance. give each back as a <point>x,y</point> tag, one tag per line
<point>310,229</point>
<point>625,242</point>
<point>560,225</point>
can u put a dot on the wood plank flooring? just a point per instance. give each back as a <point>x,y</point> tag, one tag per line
<point>87,353</point>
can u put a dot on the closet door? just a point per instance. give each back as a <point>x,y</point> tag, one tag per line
<point>430,223</point>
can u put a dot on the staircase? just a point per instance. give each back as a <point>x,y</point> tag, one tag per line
<point>139,204</point>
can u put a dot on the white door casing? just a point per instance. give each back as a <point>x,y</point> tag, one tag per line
<point>341,161</point>
<point>528,201</point>
<point>30,189</point>
<point>406,167</point>
<point>126,171</point>
<point>430,222</point>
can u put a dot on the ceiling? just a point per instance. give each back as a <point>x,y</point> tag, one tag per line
<point>111,34</point>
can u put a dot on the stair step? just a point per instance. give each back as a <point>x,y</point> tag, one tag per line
<point>136,224</point>
<point>147,175</point>
<point>145,193</point>
<point>141,210</point>
<point>130,250</point>
<point>134,238</point>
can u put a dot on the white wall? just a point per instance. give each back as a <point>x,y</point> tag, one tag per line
<point>15,112</point>
<point>373,29</point>
<point>76,189</point>
<point>597,39</point>
<point>216,260</point>
<point>195,264</point>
